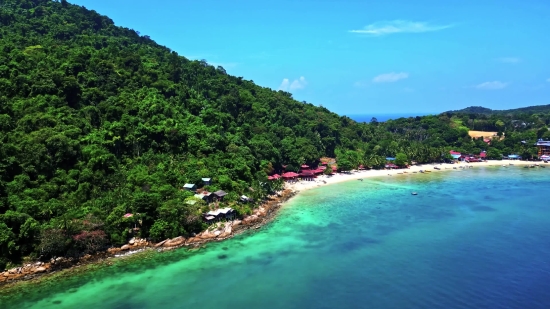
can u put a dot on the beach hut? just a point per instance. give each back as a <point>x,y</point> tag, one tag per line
<point>205,196</point>
<point>189,187</point>
<point>289,176</point>
<point>390,159</point>
<point>307,175</point>
<point>207,181</point>
<point>543,148</point>
<point>220,194</point>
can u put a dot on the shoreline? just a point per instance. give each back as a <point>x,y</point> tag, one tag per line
<point>218,232</point>
<point>324,180</point>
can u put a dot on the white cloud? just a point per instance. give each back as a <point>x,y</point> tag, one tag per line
<point>390,77</point>
<point>509,59</point>
<point>284,84</point>
<point>299,83</point>
<point>495,85</point>
<point>398,26</point>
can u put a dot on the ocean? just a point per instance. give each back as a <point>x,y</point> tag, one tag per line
<point>384,117</point>
<point>475,238</point>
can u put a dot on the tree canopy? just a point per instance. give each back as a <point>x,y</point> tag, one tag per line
<point>98,121</point>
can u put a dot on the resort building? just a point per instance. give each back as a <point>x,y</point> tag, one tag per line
<point>220,194</point>
<point>219,214</point>
<point>190,187</point>
<point>455,154</point>
<point>543,148</point>
<point>207,181</point>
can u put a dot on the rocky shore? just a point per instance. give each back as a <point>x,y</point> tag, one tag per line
<point>216,232</point>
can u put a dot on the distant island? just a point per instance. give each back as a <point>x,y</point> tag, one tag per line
<point>108,138</point>
<point>488,111</point>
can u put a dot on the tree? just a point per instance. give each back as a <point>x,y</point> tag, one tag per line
<point>494,154</point>
<point>345,165</point>
<point>401,159</point>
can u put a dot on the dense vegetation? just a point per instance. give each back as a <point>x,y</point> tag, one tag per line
<point>97,121</point>
<point>522,110</point>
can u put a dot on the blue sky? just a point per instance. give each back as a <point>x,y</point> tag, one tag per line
<point>362,57</point>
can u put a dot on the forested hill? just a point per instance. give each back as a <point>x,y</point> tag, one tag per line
<point>97,121</point>
<point>488,111</point>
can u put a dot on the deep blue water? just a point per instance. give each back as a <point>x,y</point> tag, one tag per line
<point>385,117</point>
<point>475,238</point>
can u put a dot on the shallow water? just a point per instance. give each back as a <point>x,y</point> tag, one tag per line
<point>469,239</point>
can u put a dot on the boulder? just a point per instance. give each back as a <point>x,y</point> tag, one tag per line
<point>178,241</point>
<point>161,243</point>
<point>236,222</point>
<point>113,250</point>
<point>39,269</point>
<point>125,247</point>
<point>132,241</point>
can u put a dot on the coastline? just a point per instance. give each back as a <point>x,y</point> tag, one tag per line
<point>324,180</point>
<point>222,231</point>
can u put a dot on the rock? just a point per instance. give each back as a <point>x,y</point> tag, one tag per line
<point>40,269</point>
<point>237,222</point>
<point>13,271</point>
<point>132,241</point>
<point>113,250</point>
<point>217,233</point>
<point>38,264</point>
<point>59,259</point>
<point>178,241</point>
<point>125,247</point>
<point>5,274</point>
<point>161,243</point>
<point>250,219</point>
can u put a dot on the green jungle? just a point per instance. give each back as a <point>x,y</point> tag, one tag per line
<point>98,120</point>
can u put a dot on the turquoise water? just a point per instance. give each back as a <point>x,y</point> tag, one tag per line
<point>470,239</point>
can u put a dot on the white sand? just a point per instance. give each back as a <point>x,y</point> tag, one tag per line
<point>355,175</point>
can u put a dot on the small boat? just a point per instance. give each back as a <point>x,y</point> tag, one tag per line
<point>360,179</point>
<point>414,193</point>
<point>436,168</point>
<point>422,171</point>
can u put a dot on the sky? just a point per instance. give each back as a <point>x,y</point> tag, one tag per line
<point>362,57</point>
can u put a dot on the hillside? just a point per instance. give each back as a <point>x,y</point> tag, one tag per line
<point>97,121</point>
<point>488,111</point>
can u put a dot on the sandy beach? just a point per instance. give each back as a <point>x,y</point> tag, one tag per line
<point>324,180</point>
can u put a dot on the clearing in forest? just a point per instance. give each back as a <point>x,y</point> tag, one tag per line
<point>485,134</point>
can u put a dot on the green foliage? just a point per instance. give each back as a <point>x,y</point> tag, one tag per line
<point>401,159</point>
<point>97,121</point>
<point>494,154</point>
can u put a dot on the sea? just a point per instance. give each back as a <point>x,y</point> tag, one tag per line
<point>384,117</point>
<point>474,238</point>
